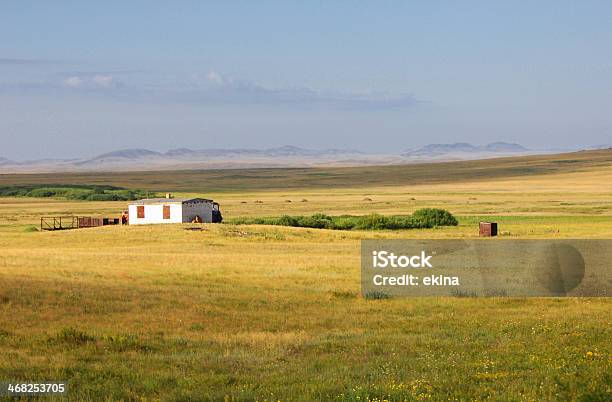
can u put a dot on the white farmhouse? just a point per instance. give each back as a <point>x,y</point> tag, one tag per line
<point>173,210</point>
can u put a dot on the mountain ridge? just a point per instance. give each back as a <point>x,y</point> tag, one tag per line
<point>285,150</point>
<point>5,161</point>
<point>282,156</point>
<point>464,147</point>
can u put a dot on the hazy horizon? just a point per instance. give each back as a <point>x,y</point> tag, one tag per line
<point>84,79</point>
<point>480,149</point>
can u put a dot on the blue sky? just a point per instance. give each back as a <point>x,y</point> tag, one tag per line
<point>79,79</point>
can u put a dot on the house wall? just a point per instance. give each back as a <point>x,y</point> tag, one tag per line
<point>202,209</point>
<point>154,213</point>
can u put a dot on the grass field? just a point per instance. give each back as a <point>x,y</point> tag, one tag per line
<point>248,312</point>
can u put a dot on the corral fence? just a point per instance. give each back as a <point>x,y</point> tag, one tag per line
<point>74,222</point>
<point>59,222</point>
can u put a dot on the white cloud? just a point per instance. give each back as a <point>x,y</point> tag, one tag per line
<point>73,82</point>
<point>90,81</point>
<point>217,88</point>
<point>105,81</point>
<point>215,78</point>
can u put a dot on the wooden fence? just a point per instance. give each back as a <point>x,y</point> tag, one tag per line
<point>59,222</point>
<point>75,222</point>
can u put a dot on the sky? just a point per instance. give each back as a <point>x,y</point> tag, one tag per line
<point>82,78</point>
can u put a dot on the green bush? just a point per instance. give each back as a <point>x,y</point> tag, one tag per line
<point>75,192</point>
<point>317,221</point>
<point>41,192</point>
<point>287,220</point>
<point>344,222</point>
<point>372,222</point>
<point>402,222</point>
<point>104,197</point>
<point>423,218</point>
<point>432,217</point>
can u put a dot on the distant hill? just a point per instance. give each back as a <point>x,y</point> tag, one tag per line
<point>436,149</point>
<point>122,155</point>
<point>145,159</point>
<point>504,147</point>
<point>284,156</point>
<point>286,150</point>
<point>183,154</point>
<point>600,146</point>
<point>463,150</point>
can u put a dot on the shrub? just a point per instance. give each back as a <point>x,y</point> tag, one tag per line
<point>317,221</point>
<point>75,192</point>
<point>104,197</point>
<point>344,222</point>
<point>400,222</point>
<point>41,192</point>
<point>371,222</point>
<point>380,222</point>
<point>287,220</point>
<point>423,218</point>
<point>432,217</point>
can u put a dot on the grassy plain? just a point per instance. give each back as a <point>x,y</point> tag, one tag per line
<point>247,312</point>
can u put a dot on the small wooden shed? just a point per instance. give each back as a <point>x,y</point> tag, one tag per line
<point>487,229</point>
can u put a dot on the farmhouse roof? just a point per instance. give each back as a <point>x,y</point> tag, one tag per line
<point>167,200</point>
